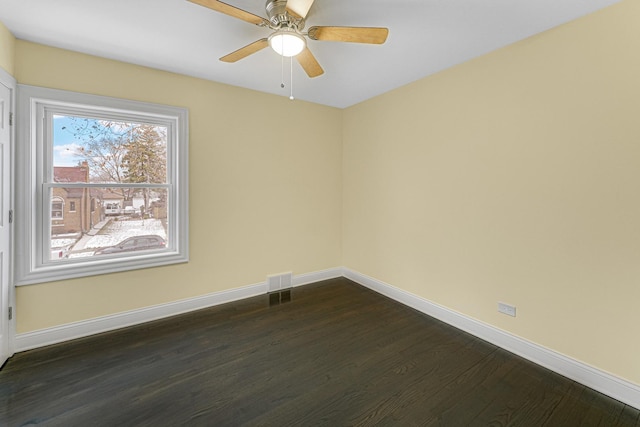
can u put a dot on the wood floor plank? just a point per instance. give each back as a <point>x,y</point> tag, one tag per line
<point>629,416</point>
<point>336,354</point>
<point>582,406</point>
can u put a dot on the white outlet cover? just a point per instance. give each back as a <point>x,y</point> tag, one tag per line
<point>507,309</point>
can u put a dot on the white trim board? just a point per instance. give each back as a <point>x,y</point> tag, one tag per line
<point>9,81</point>
<point>70,331</point>
<point>599,380</point>
<point>594,378</point>
<point>317,276</point>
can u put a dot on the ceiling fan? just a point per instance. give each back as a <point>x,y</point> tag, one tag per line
<point>287,19</point>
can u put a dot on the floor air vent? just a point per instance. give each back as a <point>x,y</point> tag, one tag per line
<point>279,288</point>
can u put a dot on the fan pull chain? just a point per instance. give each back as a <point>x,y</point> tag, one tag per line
<point>282,71</point>
<point>291,77</point>
<point>290,73</point>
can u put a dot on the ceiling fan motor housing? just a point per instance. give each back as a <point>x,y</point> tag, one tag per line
<point>278,15</point>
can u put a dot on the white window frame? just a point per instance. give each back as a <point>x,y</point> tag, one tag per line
<point>34,162</point>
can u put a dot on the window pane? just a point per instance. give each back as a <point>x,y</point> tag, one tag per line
<point>119,216</point>
<point>107,151</point>
<point>57,208</point>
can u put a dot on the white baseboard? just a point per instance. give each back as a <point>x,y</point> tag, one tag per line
<point>599,380</point>
<point>317,276</point>
<point>69,331</point>
<point>57,334</point>
<point>594,378</point>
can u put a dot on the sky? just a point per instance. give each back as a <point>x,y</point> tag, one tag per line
<point>64,143</point>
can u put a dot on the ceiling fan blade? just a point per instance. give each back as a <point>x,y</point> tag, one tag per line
<point>309,63</point>
<point>243,52</point>
<point>227,9</point>
<point>299,8</point>
<point>372,35</point>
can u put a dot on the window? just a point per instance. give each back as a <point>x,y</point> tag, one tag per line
<point>120,168</point>
<point>57,208</point>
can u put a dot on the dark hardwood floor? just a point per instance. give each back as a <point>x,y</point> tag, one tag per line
<point>336,354</point>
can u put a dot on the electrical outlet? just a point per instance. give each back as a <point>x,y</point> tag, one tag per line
<point>507,309</point>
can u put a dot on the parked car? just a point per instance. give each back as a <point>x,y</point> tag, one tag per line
<point>135,243</point>
<point>112,209</point>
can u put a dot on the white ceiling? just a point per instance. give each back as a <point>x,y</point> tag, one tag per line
<point>425,36</point>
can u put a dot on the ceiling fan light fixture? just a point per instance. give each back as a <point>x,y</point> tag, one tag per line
<point>287,42</point>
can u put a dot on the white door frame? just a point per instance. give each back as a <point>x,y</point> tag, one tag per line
<point>9,81</point>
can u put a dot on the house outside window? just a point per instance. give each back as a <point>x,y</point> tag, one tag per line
<point>119,168</point>
<point>76,218</point>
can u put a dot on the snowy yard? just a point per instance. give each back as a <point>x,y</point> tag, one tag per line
<point>63,242</point>
<point>116,231</point>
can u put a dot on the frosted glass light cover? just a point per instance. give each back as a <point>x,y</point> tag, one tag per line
<point>287,44</point>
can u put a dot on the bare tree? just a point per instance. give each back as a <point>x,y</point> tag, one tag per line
<point>119,152</point>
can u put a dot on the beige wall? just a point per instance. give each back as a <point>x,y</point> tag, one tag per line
<point>260,203</point>
<point>7,49</point>
<point>514,177</point>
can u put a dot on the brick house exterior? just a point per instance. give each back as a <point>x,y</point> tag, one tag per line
<point>74,210</point>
